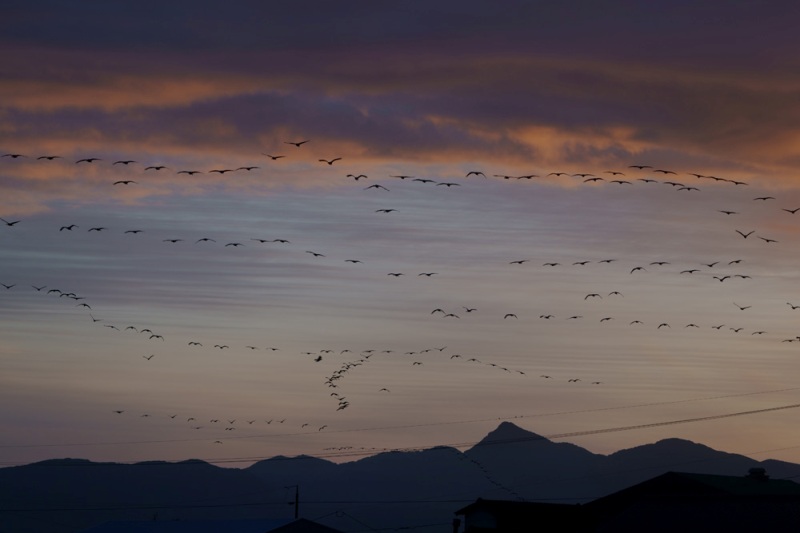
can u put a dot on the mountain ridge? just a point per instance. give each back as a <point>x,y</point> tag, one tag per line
<point>409,488</point>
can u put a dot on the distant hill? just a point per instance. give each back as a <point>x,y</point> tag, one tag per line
<point>392,489</point>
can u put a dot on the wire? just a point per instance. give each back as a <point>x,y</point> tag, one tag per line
<point>555,436</point>
<point>407,426</point>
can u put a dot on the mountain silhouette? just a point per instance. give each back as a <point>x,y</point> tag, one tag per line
<point>387,490</point>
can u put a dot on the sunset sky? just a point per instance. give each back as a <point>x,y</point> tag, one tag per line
<point>512,113</point>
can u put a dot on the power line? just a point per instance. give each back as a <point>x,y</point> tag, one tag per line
<point>161,506</point>
<point>406,426</point>
<point>555,436</point>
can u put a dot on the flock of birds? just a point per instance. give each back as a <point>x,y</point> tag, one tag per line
<point>725,271</point>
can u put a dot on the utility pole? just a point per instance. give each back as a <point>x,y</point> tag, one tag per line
<point>296,501</point>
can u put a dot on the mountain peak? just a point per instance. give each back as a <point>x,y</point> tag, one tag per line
<point>509,433</point>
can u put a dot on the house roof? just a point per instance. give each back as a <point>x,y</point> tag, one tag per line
<point>745,485</point>
<point>683,484</point>
<point>509,507</point>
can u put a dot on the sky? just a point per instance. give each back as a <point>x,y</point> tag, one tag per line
<point>524,269</point>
